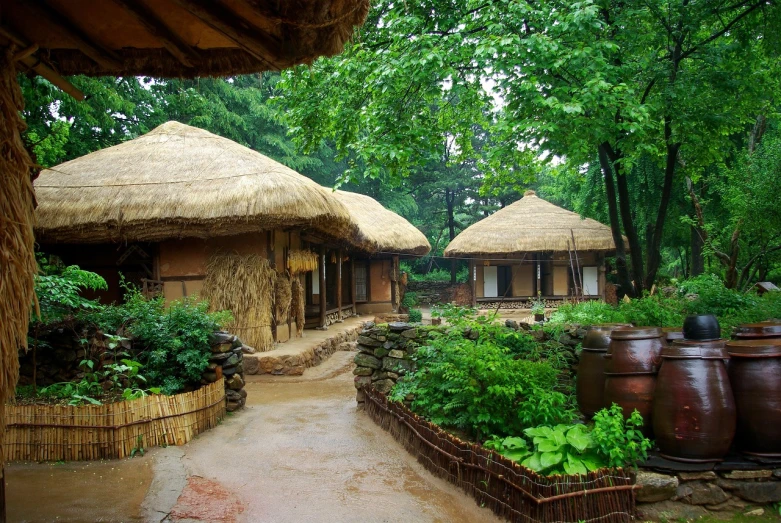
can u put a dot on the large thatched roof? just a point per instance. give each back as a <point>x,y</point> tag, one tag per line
<point>379,229</point>
<point>179,37</point>
<point>178,181</point>
<point>531,225</point>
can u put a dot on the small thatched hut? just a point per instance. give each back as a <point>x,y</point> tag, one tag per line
<point>158,209</point>
<point>534,248</point>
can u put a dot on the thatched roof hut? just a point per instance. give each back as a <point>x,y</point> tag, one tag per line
<point>177,181</point>
<point>379,229</point>
<point>531,225</point>
<point>182,37</point>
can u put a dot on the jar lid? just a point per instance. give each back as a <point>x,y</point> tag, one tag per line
<point>762,329</point>
<point>716,344</point>
<point>636,333</point>
<point>693,351</point>
<point>769,348</point>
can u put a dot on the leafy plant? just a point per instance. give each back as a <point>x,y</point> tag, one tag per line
<point>410,299</point>
<point>711,296</point>
<point>537,305</point>
<point>58,290</point>
<point>415,315</point>
<point>561,449</point>
<point>618,439</point>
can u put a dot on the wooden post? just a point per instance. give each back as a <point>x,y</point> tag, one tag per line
<point>353,287</point>
<point>473,281</point>
<point>394,282</point>
<point>321,277</point>
<point>339,283</point>
<point>539,274</point>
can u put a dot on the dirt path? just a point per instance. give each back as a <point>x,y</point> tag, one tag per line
<point>302,452</point>
<point>299,452</point>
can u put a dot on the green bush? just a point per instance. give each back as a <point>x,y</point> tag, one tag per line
<point>415,315</point>
<point>478,386</point>
<point>587,313</point>
<point>619,440</point>
<point>713,297</point>
<point>410,299</point>
<point>58,290</point>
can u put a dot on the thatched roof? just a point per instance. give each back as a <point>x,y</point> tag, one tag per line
<point>179,37</point>
<point>379,229</point>
<point>178,181</point>
<point>531,225</point>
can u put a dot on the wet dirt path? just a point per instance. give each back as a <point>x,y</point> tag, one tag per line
<point>302,452</point>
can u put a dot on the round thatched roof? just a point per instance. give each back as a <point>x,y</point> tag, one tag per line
<point>179,37</point>
<point>531,225</point>
<point>178,181</point>
<point>379,229</point>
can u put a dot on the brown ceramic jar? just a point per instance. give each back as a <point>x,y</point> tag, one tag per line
<point>634,349</point>
<point>590,381</point>
<point>755,374</point>
<point>763,330</point>
<point>693,409</point>
<point>630,392</point>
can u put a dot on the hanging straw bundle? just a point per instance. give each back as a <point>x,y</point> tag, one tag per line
<point>298,307</point>
<point>299,261</point>
<point>17,260</point>
<point>245,286</point>
<point>284,297</point>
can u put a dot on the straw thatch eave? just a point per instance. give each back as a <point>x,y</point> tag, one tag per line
<point>180,37</point>
<point>531,225</point>
<point>178,181</point>
<point>379,230</point>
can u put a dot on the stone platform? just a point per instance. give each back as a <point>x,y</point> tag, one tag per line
<point>292,357</point>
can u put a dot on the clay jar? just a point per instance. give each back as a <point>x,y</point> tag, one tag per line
<point>590,383</point>
<point>694,411</point>
<point>701,327</point>
<point>755,374</point>
<point>630,392</point>
<point>756,331</point>
<point>634,350</point>
<point>672,334</point>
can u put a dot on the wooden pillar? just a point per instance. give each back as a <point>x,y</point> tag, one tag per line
<point>339,283</point>
<point>602,281</point>
<point>16,238</point>
<point>538,268</point>
<point>321,279</point>
<point>353,286</point>
<point>395,282</point>
<point>473,281</point>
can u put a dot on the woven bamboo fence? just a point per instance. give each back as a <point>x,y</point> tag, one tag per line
<point>112,430</point>
<point>511,491</point>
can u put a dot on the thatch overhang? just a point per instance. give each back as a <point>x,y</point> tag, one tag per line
<point>531,225</point>
<point>175,38</point>
<point>178,181</point>
<point>380,230</point>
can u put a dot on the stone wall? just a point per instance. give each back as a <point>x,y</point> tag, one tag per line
<point>385,354</point>
<point>690,495</point>
<point>227,363</point>
<point>431,292</point>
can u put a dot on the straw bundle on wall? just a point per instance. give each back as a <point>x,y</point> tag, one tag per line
<point>379,229</point>
<point>531,225</point>
<point>17,260</point>
<point>299,261</point>
<point>298,306</point>
<point>284,297</point>
<point>245,286</point>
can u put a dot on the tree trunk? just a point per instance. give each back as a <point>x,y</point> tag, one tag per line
<point>698,260</point>
<point>615,226</point>
<point>450,198</point>
<point>625,208</point>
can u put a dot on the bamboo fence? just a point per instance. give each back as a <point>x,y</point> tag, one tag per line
<point>112,430</point>
<point>511,491</point>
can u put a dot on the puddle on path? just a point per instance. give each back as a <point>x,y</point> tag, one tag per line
<point>83,491</point>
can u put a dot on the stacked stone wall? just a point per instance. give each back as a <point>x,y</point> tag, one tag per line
<point>431,292</point>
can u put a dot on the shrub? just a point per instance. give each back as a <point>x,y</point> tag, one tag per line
<point>58,290</point>
<point>479,387</point>
<point>410,299</point>
<point>415,315</point>
<point>712,297</point>
<point>587,313</point>
<point>619,440</point>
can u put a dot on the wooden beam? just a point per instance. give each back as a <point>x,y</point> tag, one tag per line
<point>472,281</point>
<point>321,279</point>
<point>394,282</point>
<point>234,28</point>
<point>84,43</point>
<point>339,282</point>
<point>178,48</point>
<point>352,283</point>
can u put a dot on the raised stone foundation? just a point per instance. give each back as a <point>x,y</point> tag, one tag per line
<point>289,361</point>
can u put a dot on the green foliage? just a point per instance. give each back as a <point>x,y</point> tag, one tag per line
<point>619,440</point>
<point>440,275</point>
<point>561,449</point>
<point>410,299</point>
<point>415,315</point>
<point>586,313</point>
<point>537,305</point>
<point>467,379</point>
<point>174,339</point>
<point>58,290</point>
<point>713,297</point>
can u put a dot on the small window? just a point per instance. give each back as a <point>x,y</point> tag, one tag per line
<point>361,283</point>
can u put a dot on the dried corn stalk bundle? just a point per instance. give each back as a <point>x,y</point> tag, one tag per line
<point>298,308</point>
<point>299,261</point>
<point>284,297</point>
<point>245,286</point>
